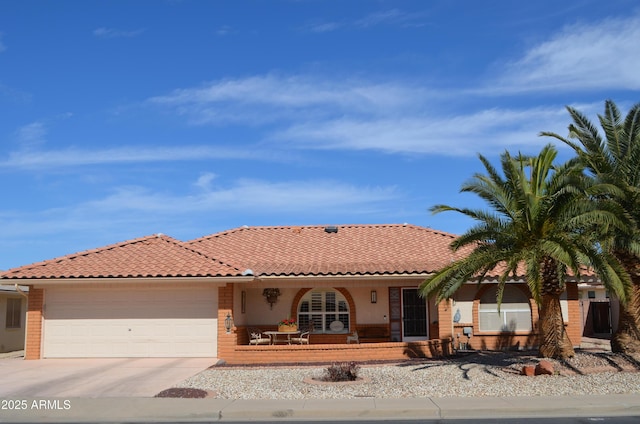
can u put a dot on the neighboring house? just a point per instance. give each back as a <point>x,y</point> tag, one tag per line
<point>13,310</point>
<point>157,296</point>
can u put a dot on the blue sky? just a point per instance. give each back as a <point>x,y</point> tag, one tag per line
<point>121,119</point>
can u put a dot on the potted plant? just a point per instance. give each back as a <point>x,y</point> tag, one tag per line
<point>287,325</point>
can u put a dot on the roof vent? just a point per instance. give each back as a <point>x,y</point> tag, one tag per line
<point>247,272</point>
<point>331,229</point>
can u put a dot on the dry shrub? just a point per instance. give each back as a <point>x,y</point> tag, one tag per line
<point>345,371</point>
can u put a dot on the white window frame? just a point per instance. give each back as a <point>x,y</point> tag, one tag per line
<point>316,306</point>
<point>509,312</point>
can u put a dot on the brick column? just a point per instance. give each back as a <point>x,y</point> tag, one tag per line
<point>574,324</point>
<point>33,338</point>
<point>226,341</point>
<point>445,320</point>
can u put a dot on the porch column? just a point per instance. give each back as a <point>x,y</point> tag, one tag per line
<point>226,341</point>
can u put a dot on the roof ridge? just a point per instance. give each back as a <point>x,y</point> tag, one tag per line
<point>431,230</point>
<point>186,246</point>
<point>302,226</point>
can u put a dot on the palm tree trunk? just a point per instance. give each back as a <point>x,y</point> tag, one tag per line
<point>626,339</point>
<point>554,340</point>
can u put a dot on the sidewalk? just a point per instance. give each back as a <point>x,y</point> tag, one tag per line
<point>201,410</point>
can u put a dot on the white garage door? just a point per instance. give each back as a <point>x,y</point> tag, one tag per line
<point>130,322</point>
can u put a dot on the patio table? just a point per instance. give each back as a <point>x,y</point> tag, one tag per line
<point>275,339</point>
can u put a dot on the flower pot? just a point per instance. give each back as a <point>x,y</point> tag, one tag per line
<point>287,328</point>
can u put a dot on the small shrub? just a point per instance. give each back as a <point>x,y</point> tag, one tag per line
<point>346,371</point>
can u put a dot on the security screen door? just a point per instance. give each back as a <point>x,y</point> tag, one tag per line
<point>414,316</point>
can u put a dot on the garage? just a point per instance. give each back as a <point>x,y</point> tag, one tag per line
<point>130,321</point>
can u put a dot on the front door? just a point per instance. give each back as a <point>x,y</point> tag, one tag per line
<point>414,316</point>
<point>601,319</point>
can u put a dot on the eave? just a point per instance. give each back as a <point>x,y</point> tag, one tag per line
<point>128,280</point>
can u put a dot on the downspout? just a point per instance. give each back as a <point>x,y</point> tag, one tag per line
<point>19,290</point>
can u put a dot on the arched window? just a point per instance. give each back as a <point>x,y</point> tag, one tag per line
<point>326,310</point>
<point>514,314</point>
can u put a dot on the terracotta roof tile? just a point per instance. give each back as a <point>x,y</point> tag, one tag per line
<point>353,250</point>
<point>151,256</point>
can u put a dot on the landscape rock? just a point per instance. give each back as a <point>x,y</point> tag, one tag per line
<point>529,370</point>
<point>544,368</point>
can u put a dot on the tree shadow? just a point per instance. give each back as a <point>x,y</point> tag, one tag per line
<point>434,349</point>
<point>508,340</point>
<point>487,362</point>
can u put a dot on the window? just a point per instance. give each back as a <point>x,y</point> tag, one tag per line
<point>326,310</point>
<point>591,294</point>
<point>514,314</point>
<point>14,312</point>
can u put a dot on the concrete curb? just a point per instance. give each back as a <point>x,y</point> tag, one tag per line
<point>54,410</point>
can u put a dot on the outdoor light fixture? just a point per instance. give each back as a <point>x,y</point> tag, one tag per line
<point>374,296</point>
<point>228,323</point>
<point>271,295</point>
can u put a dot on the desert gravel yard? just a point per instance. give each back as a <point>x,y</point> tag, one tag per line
<point>477,374</point>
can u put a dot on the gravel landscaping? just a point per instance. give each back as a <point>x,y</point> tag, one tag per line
<point>475,374</point>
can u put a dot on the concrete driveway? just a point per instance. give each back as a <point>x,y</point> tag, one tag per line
<point>92,378</point>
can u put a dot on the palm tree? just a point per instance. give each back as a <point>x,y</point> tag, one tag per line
<point>537,228</point>
<point>615,161</point>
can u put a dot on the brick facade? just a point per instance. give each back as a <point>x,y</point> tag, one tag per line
<point>233,348</point>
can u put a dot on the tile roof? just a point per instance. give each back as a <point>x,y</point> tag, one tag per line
<point>151,256</point>
<point>392,249</point>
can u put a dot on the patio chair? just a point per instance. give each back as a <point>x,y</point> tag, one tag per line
<point>353,337</point>
<point>256,337</point>
<point>303,338</point>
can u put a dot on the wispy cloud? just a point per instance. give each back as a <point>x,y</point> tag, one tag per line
<point>225,30</point>
<point>43,159</point>
<point>393,17</point>
<point>399,117</point>
<point>315,112</point>
<point>490,130</point>
<point>134,206</point>
<point>265,197</point>
<point>582,56</point>
<point>116,33</point>
<point>204,181</point>
<point>268,98</point>
<point>323,27</point>
<point>31,135</point>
